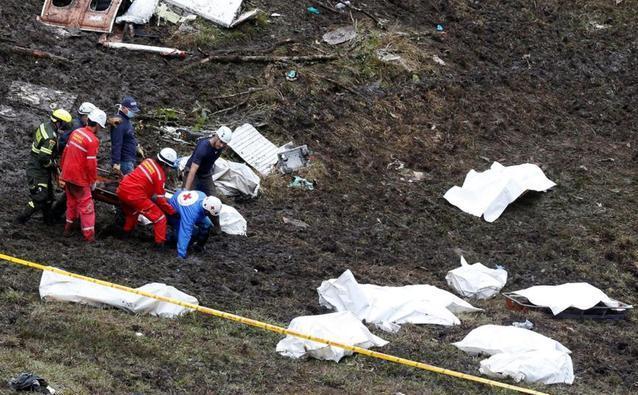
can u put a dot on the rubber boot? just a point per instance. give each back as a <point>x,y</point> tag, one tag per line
<point>25,215</point>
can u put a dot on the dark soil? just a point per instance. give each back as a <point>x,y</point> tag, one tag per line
<point>524,81</point>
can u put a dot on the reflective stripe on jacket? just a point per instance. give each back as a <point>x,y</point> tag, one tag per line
<point>44,145</point>
<point>79,159</point>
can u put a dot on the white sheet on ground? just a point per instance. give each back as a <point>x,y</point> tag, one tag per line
<point>548,367</point>
<point>341,327</point>
<point>233,179</point>
<point>488,193</point>
<point>222,12</point>
<point>388,307</point>
<point>230,178</point>
<point>231,221</point>
<point>476,281</point>
<point>140,12</point>
<point>58,287</point>
<point>495,339</point>
<point>558,298</point>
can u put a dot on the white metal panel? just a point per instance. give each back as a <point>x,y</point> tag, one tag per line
<point>254,148</point>
<point>223,12</point>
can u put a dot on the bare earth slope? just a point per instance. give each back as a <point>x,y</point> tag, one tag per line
<point>523,81</point>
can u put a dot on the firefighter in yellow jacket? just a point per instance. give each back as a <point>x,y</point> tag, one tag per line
<point>41,166</point>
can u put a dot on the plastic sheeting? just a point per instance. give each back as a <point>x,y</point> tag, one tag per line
<point>495,339</point>
<point>476,281</point>
<point>341,327</point>
<point>140,12</point>
<point>57,287</point>
<point>558,298</point>
<point>231,221</point>
<point>488,193</point>
<point>233,179</point>
<point>388,307</point>
<point>548,367</point>
<point>519,353</point>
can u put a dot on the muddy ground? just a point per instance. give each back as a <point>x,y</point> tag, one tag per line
<point>523,81</point>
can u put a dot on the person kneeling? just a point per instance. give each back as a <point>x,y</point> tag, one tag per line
<point>198,213</point>
<point>142,192</point>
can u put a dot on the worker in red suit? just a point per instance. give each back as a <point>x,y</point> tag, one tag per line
<point>142,192</point>
<point>79,174</point>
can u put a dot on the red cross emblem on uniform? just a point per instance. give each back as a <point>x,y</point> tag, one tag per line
<point>187,196</point>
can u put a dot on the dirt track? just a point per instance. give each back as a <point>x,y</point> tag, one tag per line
<point>524,81</point>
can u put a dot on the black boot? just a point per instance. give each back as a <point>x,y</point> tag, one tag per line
<point>25,215</point>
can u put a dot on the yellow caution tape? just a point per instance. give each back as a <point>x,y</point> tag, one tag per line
<point>276,329</point>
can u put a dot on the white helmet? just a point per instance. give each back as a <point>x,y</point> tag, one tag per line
<point>212,204</point>
<point>98,116</point>
<point>225,134</point>
<point>168,156</point>
<point>86,108</point>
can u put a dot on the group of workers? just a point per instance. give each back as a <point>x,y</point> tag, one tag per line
<point>64,151</point>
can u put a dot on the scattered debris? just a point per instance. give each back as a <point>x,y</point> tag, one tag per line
<point>439,27</point>
<point>520,354</point>
<point>388,307</point>
<point>254,148</point>
<point>407,174</point>
<point>313,10</point>
<point>599,26</point>
<point>488,193</point>
<point>235,179</point>
<point>54,286</point>
<point>340,35</point>
<point>31,383</point>
<point>526,325</point>
<point>36,53</point>
<point>476,281</point>
<point>438,60</point>
<point>342,327</point>
<point>301,183</point>
<point>293,159</point>
<point>267,58</point>
<point>571,300</point>
<point>222,12</point>
<point>7,112</point>
<point>139,13</point>
<point>86,15</point>
<point>164,51</point>
<point>232,222</point>
<point>295,222</point>
<point>163,12</point>
<point>40,97</point>
<point>292,75</point>
<point>342,5</point>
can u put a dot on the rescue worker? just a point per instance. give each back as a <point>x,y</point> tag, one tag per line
<point>142,192</point>
<point>78,122</point>
<point>79,173</point>
<point>198,213</point>
<point>42,167</point>
<point>198,172</point>
<point>124,146</point>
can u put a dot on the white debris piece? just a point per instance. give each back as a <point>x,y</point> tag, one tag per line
<point>341,327</point>
<point>222,12</point>
<point>340,35</point>
<point>40,97</point>
<point>254,148</point>
<point>495,339</point>
<point>387,307</point>
<point>54,286</point>
<point>547,367</point>
<point>558,298</point>
<point>476,281</point>
<point>488,193</point>
<point>139,13</point>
